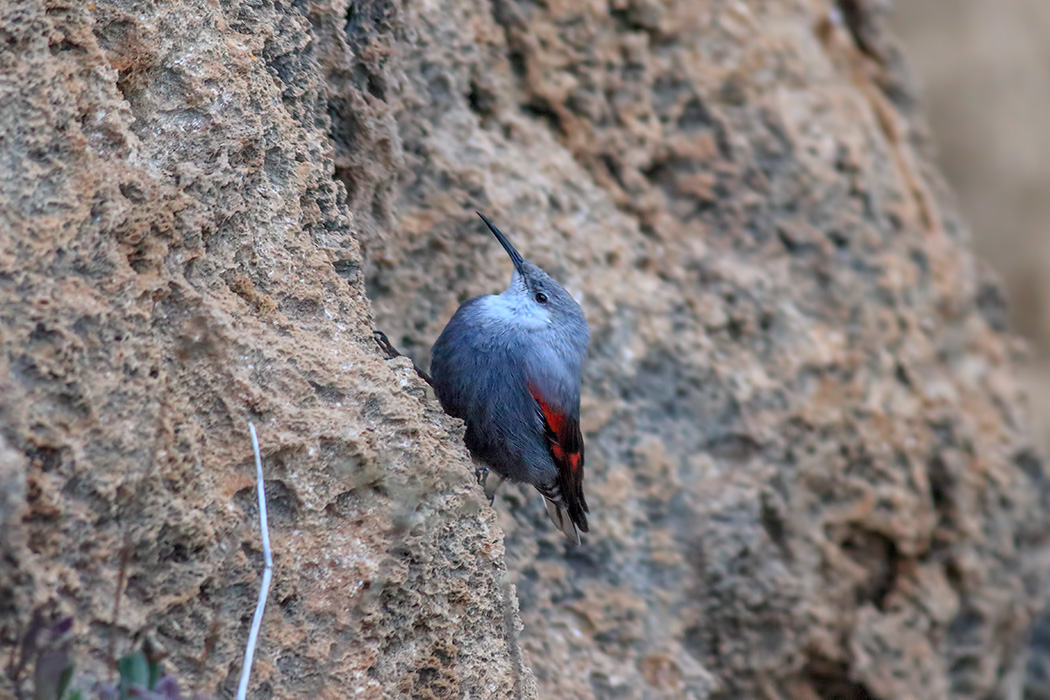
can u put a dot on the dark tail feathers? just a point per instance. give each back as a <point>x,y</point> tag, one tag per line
<point>567,508</point>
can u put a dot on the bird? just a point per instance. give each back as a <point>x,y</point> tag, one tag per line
<point>510,366</point>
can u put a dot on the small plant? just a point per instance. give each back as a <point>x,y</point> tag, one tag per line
<point>45,644</point>
<point>45,649</point>
<point>141,676</point>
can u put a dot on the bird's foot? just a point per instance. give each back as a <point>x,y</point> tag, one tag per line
<point>490,491</point>
<point>391,353</point>
<point>482,475</point>
<point>385,345</point>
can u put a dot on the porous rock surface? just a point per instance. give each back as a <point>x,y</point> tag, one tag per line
<point>806,459</point>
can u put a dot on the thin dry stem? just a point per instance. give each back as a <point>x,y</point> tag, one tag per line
<point>264,590</point>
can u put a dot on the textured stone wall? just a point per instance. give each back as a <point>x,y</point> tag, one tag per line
<point>985,74</point>
<point>806,462</point>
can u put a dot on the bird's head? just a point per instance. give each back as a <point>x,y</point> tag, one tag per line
<point>533,296</point>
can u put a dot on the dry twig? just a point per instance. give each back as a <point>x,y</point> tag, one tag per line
<point>260,606</point>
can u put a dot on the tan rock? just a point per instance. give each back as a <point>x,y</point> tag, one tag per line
<point>806,430</point>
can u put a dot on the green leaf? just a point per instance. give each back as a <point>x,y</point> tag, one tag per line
<point>51,675</point>
<point>63,681</point>
<point>155,673</point>
<point>134,671</point>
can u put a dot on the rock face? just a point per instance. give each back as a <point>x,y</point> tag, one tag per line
<point>974,59</point>
<point>805,453</point>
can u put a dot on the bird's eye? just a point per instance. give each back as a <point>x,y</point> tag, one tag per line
<point>541,297</point>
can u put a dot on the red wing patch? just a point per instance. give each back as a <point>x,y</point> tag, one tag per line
<point>566,447</point>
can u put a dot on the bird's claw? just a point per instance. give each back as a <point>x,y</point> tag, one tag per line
<point>482,475</point>
<point>385,345</point>
<point>391,353</point>
<point>491,488</point>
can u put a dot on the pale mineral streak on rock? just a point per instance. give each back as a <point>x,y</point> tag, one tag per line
<point>805,449</point>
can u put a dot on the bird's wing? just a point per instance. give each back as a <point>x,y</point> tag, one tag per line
<point>565,442</point>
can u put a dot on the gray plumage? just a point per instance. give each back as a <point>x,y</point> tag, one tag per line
<point>509,365</point>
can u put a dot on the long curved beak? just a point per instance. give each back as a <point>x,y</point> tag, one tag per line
<point>515,256</point>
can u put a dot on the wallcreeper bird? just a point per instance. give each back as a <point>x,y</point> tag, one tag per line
<point>509,365</point>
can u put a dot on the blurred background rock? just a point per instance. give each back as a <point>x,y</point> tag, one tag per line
<point>984,69</point>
